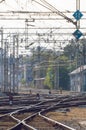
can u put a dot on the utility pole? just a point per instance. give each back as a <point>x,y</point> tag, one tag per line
<point>81,66</point>
<point>78,27</point>
<point>16,62</point>
<point>6,66</point>
<point>26,33</point>
<point>2,68</point>
<point>78,8</point>
<point>14,39</point>
<point>39,59</point>
<point>54,67</point>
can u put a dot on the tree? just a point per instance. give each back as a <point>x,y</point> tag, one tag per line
<point>49,79</point>
<point>23,81</point>
<point>63,72</point>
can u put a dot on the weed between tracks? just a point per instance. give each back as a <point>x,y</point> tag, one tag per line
<point>72,118</point>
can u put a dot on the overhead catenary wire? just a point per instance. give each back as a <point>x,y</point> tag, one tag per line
<point>2,1</point>
<point>53,9</point>
<point>59,12</point>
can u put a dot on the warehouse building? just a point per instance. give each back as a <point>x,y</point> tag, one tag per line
<point>78,79</point>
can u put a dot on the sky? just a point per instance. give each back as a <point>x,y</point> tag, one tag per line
<point>32,5</point>
<point>61,5</point>
<point>67,6</point>
<point>64,5</point>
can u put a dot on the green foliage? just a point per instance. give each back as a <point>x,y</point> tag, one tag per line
<point>64,78</point>
<point>64,72</point>
<point>49,79</point>
<point>23,81</point>
<point>72,56</point>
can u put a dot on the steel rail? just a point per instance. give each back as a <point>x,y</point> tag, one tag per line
<point>57,123</point>
<point>62,102</point>
<point>20,122</point>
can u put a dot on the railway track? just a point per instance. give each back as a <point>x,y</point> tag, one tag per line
<point>40,122</point>
<point>32,116</point>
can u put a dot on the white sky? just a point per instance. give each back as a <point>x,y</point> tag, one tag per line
<point>60,5</point>
<point>31,5</point>
<point>68,4</point>
<point>64,5</point>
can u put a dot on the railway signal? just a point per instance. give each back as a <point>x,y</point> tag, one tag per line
<point>77,15</point>
<point>77,34</point>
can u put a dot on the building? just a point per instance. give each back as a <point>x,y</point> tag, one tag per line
<point>78,79</point>
<point>39,76</point>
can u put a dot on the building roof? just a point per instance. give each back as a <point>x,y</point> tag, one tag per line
<point>78,70</point>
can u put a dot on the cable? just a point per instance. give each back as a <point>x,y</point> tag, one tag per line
<point>41,4</point>
<point>2,1</point>
<point>59,13</point>
<point>53,9</point>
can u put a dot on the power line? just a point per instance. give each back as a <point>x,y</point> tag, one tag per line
<point>52,8</point>
<point>2,1</point>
